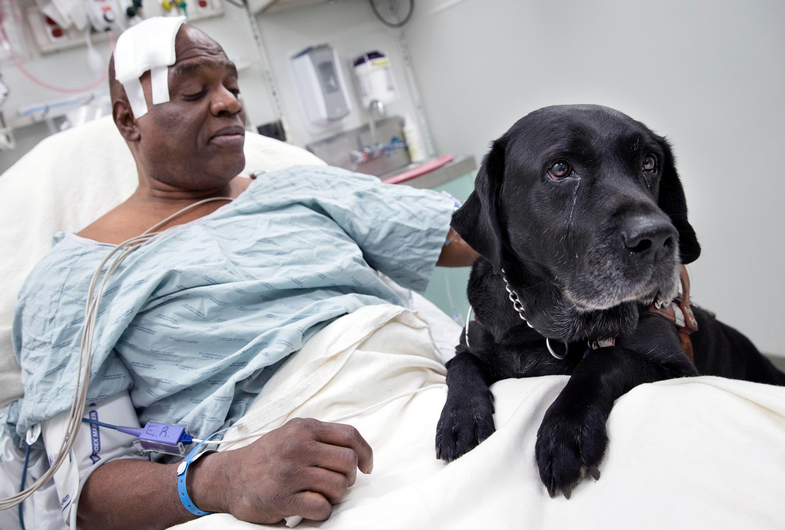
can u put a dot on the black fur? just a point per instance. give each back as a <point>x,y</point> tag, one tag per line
<point>587,254</point>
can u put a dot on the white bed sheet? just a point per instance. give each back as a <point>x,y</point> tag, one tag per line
<point>698,453</point>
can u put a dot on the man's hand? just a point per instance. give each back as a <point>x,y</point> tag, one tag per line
<point>302,468</point>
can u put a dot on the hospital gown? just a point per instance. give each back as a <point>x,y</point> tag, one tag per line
<point>196,320</point>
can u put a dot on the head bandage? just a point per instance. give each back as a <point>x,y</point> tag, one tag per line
<point>146,46</point>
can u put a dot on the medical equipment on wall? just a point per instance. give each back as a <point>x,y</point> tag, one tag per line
<point>133,11</point>
<point>14,45</point>
<point>320,87</point>
<point>62,24</point>
<point>374,78</point>
<point>54,34</point>
<point>101,14</point>
<point>52,31</point>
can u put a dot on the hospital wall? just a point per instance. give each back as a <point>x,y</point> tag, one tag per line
<point>708,74</point>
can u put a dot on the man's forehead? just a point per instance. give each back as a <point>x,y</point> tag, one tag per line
<point>191,42</point>
<point>195,50</point>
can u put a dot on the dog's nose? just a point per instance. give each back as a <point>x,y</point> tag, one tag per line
<point>649,239</point>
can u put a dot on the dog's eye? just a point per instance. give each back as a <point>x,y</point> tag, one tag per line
<point>650,163</point>
<point>559,170</point>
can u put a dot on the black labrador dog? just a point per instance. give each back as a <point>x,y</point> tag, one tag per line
<point>581,223</point>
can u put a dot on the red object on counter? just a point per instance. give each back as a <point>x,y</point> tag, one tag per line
<point>427,167</point>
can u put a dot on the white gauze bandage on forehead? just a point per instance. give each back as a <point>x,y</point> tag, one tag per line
<point>147,46</point>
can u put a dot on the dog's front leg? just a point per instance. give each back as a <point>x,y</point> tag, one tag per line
<point>572,438</point>
<point>467,416</point>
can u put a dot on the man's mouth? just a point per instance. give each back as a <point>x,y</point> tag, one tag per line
<point>229,136</point>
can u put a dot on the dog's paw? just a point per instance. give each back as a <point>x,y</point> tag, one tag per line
<point>570,444</point>
<point>463,425</point>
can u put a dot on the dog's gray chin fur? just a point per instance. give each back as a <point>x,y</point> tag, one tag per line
<point>645,293</point>
<point>613,316</point>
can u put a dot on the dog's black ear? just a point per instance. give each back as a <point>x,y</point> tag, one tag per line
<point>477,220</point>
<point>673,203</point>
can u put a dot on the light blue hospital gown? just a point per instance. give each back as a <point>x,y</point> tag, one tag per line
<point>195,321</point>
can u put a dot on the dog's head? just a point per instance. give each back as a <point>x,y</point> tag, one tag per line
<point>587,197</point>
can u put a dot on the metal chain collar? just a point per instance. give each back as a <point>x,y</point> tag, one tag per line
<point>518,306</point>
<point>521,310</point>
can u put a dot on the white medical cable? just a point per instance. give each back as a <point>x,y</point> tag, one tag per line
<point>466,328</point>
<point>123,250</point>
<point>334,420</point>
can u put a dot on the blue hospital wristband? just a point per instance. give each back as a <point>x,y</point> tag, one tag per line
<point>182,471</point>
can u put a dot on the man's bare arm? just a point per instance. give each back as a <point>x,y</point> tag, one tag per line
<point>457,253</point>
<point>302,468</point>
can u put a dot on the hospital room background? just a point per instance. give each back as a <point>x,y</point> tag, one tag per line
<point>708,74</point>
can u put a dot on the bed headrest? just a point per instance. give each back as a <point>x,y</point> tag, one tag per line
<point>65,183</point>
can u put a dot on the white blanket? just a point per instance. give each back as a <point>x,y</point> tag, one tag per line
<point>692,453</point>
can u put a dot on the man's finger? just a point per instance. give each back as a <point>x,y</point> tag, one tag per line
<point>328,483</point>
<point>309,505</point>
<point>334,458</point>
<point>347,436</point>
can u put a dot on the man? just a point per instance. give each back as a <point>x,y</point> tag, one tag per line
<point>265,272</point>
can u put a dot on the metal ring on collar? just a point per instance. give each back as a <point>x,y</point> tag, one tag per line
<point>550,349</point>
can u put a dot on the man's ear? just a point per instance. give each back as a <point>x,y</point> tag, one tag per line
<point>125,121</point>
<point>477,220</point>
<point>673,203</point>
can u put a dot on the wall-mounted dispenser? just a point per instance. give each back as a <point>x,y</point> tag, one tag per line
<point>375,80</point>
<point>320,87</point>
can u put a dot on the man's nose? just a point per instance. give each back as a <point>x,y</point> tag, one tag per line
<point>649,238</point>
<point>226,102</point>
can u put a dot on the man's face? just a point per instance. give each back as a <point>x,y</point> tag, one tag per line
<point>195,141</point>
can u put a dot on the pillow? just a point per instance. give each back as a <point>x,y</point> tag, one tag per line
<point>65,183</point>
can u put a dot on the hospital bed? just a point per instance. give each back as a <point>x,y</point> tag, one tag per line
<point>694,453</point>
